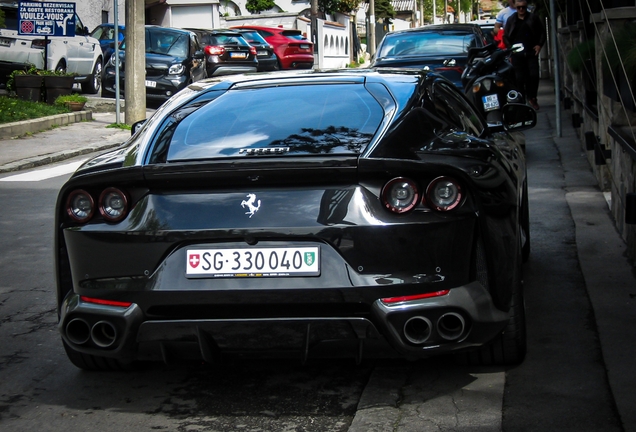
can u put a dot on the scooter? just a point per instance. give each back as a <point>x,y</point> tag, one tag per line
<point>488,80</point>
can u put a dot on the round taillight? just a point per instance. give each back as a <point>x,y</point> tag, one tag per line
<point>113,204</point>
<point>400,195</point>
<point>443,194</point>
<point>80,205</point>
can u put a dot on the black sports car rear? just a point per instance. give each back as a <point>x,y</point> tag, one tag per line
<point>378,216</point>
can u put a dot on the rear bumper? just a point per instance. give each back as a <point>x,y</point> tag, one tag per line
<point>231,69</point>
<point>465,317</point>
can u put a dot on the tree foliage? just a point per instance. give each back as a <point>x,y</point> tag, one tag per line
<point>258,6</point>
<point>341,6</point>
<point>384,9</point>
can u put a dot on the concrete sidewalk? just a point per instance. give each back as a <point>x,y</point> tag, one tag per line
<point>32,143</point>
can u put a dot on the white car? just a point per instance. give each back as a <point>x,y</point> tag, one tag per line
<point>80,54</point>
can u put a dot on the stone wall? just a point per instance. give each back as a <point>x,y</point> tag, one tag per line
<point>606,128</point>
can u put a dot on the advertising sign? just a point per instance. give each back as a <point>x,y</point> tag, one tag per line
<point>46,18</point>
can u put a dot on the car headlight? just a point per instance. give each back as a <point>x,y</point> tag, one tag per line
<point>111,61</point>
<point>176,69</point>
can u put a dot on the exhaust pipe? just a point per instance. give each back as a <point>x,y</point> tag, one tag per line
<point>417,329</point>
<point>103,334</point>
<point>78,331</point>
<point>451,326</point>
<point>513,96</point>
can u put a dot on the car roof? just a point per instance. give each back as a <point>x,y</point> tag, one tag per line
<point>215,31</point>
<point>171,29</point>
<point>256,27</point>
<point>472,28</point>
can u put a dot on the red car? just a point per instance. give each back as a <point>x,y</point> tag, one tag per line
<point>293,49</point>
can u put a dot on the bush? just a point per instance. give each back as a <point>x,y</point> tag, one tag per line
<point>577,57</point>
<point>74,97</point>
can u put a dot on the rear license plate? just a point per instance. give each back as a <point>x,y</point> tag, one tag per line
<point>491,102</point>
<point>253,262</point>
<point>238,55</point>
<point>5,42</point>
<point>151,83</point>
<point>262,53</point>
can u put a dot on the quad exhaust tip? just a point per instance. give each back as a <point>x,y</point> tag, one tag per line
<point>418,329</point>
<point>450,326</point>
<point>78,331</point>
<point>103,333</point>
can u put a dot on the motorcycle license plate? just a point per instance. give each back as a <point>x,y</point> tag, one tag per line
<point>491,102</point>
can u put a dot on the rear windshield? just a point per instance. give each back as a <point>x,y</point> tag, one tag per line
<point>293,34</point>
<point>308,119</point>
<point>427,43</point>
<point>226,40</point>
<point>254,37</point>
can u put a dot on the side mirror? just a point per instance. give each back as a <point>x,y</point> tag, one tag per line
<point>518,117</point>
<point>199,55</point>
<point>136,126</point>
<point>517,48</point>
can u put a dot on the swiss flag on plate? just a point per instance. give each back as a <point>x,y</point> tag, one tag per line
<point>194,260</point>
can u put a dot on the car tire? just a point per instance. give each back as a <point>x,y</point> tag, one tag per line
<point>509,347</point>
<point>107,93</point>
<point>61,66</point>
<point>94,84</point>
<point>96,363</point>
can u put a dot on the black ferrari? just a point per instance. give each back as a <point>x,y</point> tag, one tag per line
<point>307,214</point>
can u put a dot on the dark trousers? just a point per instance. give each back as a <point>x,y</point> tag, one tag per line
<point>526,66</point>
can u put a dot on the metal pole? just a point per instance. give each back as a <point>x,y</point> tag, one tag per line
<point>371,41</point>
<point>434,11</point>
<point>116,54</point>
<point>557,78</point>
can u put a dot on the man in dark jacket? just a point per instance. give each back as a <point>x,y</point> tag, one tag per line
<point>526,28</point>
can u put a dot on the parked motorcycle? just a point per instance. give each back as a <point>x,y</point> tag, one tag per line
<point>488,80</point>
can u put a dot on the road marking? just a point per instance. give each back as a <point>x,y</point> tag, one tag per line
<point>43,174</point>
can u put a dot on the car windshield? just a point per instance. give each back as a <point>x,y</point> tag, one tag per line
<point>318,119</point>
<point>426,43</point>
<point>167,42</point>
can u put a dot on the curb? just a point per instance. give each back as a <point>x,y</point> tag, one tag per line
<point>11,130</point>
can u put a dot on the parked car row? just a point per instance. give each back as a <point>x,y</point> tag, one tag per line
<point>178,57</point>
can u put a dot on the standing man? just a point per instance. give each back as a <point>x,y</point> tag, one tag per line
<point>526,28</point>
<point>502,17</point>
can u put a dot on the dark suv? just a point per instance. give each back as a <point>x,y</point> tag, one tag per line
<point>174,59</point>
<point>267,60</point>
<point>226,52</point>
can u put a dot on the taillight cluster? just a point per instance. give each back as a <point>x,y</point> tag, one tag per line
<point>214,50</point>
<point>401,195</point>
<point>112,204</point>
